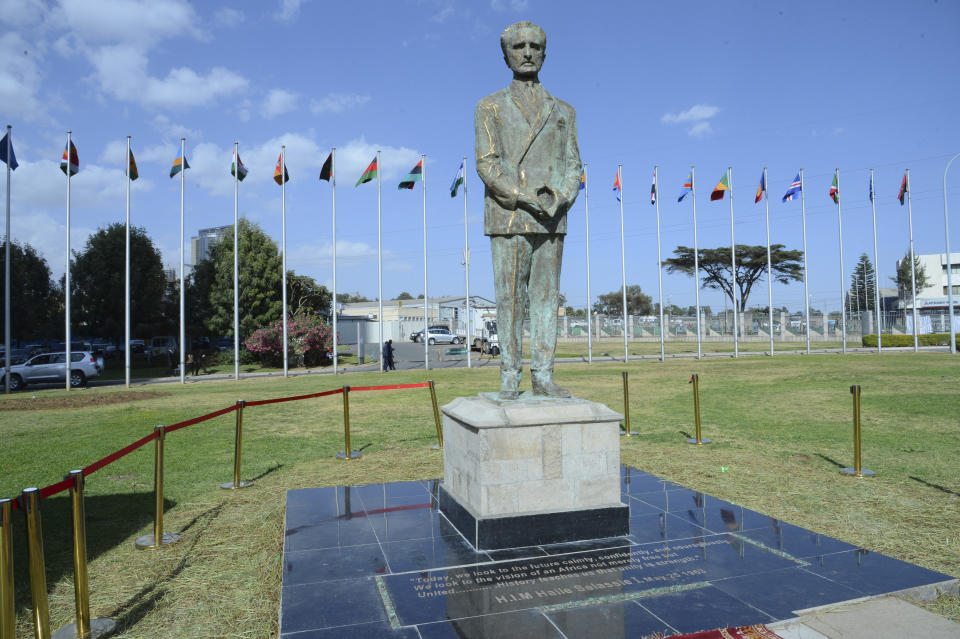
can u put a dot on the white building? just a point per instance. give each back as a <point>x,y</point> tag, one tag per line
<point>932,300</point>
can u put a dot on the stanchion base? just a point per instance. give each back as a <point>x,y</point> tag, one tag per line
<point>693,440</point>
<point>354,454</point>
<point>436,447</point>
<point>624,433</point>
<point>147,542</point>
<point>98,628</point>
<point>232,486</point>
<point>853,473</point>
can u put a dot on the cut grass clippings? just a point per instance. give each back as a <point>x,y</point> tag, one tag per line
<point>780,429</point>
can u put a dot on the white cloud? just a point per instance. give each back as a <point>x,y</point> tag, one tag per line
<point>337,102</point>
<point>20,77</point>
<point>289,10</point>
<point>227,17</point>
<point>320,256</point>
<point>21,13</point>
<point>698,114</point>
<point>700,129</point>
<point>171,130</point>
<point>356,155</point>
<point>140,22</point>
<point>509,5</point>
<point>278,102</point>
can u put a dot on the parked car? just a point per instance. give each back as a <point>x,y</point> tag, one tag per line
<point>439,335</point>
<point>17,356</point>
<point>224,344</point>
<point>416,335</point>
<point>50,368</point>
<point>160,345</point>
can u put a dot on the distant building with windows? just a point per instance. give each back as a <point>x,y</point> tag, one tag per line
<point>202,243</point>
<point>933,300</point>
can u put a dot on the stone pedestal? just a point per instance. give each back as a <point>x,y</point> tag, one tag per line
<point>531,471</point>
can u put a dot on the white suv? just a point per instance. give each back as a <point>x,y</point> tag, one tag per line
<point>50,368</point>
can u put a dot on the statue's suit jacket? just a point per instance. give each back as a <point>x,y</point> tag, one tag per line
<point>512,154</point>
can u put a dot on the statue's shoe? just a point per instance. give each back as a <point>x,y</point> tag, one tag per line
<point>508,394</point>
<point>548,389</point>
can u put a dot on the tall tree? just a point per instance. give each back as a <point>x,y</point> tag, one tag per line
<point>862,285</point>
<point>98,283</point>
<point>350,298</point>
<point>34,300</point>
<point>305,295</point>
<point>716,273</point>
<point>902,279</point>
<point>638,302</point>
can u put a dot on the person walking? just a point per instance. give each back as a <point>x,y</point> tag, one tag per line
<point>390,353</point>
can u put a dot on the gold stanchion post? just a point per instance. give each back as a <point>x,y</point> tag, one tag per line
<point>159,538</point>
<point>30,501</point>
<point>626,405</point>
<point>436,418</point>
<point>695,380</point>
<point>857,470</point>
<point>83,627</point>
<point>237,447</point>
<point>347,453</point>
<point>8,612</point>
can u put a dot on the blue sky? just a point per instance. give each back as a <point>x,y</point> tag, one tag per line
<point>816,85</point>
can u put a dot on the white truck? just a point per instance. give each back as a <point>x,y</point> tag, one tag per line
<point>485,337</point>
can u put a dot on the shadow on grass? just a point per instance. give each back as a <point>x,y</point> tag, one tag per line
<point>937,486</point>
<point>268,471</point>
<point>832,461</point>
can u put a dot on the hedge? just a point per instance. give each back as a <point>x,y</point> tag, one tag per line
<point>930,339</point>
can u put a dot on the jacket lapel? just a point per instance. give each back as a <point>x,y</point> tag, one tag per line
<point>548,105</point>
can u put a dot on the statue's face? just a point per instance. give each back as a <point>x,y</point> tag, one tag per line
<point>525,53</point>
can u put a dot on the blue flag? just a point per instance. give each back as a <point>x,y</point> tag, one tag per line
<point>793,190</point>
<point>12,160</point>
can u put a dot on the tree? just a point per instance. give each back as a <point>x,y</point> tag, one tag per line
<point>98,284</point>
<point>34,300</point>
<point>260,282</point>
<point>404,296</point>
<point>751,267</point>
<point>638,302</point>
<point>902,279</point>
<point>350,298</point>
<point>862,285</point>
<point>305,295</point>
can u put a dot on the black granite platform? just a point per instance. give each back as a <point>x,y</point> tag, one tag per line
<point>382,561</point>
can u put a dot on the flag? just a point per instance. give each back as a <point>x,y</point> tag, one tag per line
<point>179,164</point>
<point>617,187</point>
<point>415,175</point>
<point>458,180</point>
<point>793,190</point>
<point>132,169</point>
<point>327,170</point>
<point>834,190</point>
<point>74,162</point>
<point>903,190</point>
<point>653,189</point>
<point>276,172</point>
<point>242,171</point>
<point>687,187</point>
<point>761,188</point>
<point>12,160</point>
<point>369,174</point>
<point>722,186</point>
<point>583,181</point>
<point>871,186</point>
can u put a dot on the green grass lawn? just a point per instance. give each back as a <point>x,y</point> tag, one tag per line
<point>781,428</point>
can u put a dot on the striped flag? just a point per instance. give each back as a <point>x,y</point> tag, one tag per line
<point>276,171</point>
<point>327,171</point>
<point>415,175</point>
<point>761,189</point>
<point>583,180</point>
<point>240,172</point>
<point>871,186</point>
<point>795,188</point>
<point>458,180</point>
<point>902,195</point>
<point>617,187</point>
<point>179,164</point>
<point>370,173</point>
<point>9,161</point>
<point>653,189</point>
<point>74,162</point>
<point>132,169</point>
<point>722,187</point>
<point>835,190</point>
<point>687,187</point>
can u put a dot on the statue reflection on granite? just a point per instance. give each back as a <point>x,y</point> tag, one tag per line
<point>529,161</point>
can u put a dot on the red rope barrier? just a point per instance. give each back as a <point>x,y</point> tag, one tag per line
<point>261,402</point>
<point>58,487</point>
<point>391,387</point>
<point>112,457</point>
<point>202,418</point>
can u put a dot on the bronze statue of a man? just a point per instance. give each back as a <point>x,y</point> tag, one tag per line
<point>529,161</point>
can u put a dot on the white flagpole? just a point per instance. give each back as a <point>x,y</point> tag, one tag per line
<point>623,266</point>
<point>696,260</point>
<point>733,270</point>
<point>766,200</point>
<point>586,218</point>
<point>183,290</point>
<point>946,234</point>
<point>333,310</point>
<point>876,268</point>
<point>6,272</point>
<point>843,304</point>
<point>806,285</point>
<point>126,271</point>
<point>66,280</point>
<point>283,249</point>
<point>236,261</point>
<point>656,190</point>
<point>913,270</point>
<point>380,275</point>
<point>426,297</point>
<point>466,263</point>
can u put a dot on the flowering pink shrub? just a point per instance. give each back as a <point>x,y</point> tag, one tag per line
<point>308,341</point>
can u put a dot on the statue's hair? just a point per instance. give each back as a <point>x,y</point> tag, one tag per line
<point>512,30</point>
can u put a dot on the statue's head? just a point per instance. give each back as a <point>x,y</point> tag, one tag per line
<point>524,47</point>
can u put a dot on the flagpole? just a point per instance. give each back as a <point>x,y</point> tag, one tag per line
<point>623,266</point>
<point>333,309</point>
<point>843,305</point>
<point>380,276</point>
<point>696,259</point>
<point>66,279</point>
<point>766,200</point>
<point>283,250</point>
<point>126,271</point>
<point>586,218</point>
<point>6,272</point>
<point>806,284</point>
<point>913,270</point>
<point>656,190</point>
<point>946,234</point>
<point>466,262</point>
<point>733,269</point>
<point>236,261</point>
<point>426,297</point>
<point>183,290</point>
<point>876,270</point>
